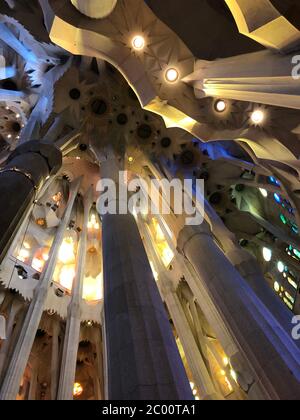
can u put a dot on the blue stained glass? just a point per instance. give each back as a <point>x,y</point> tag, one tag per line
<point>277,198</point>
<point>274,181</point>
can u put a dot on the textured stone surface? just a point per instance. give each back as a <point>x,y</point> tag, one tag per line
<point>34,161</point>
<point>143,360</point>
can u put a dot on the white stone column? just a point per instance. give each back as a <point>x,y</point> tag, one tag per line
<point>136,325</point>
<point>33,381</point>
<point>17,365</point>
<point>257,333</point>
<point>71,341</point>
<point>14,309</point>
<point>54,359</point>
<point>99,371</point>
<point>194,358</point>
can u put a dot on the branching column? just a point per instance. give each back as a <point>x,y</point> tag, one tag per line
<point>199,371</point>
<point>143,361</point>
<point>69,359</point>
<point>55,358</point>
<point>14,309</point>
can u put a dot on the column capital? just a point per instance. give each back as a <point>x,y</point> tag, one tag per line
<point>188,232</point>
<point>48,151</point>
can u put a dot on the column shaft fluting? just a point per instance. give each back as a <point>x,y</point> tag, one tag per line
<point>258,336</point>
<point>143,361</point>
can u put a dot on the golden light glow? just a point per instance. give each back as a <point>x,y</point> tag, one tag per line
<point>39,259</point>
<point>93,288</point>
<point>226,361</point>
<point>41,222</point>
<point>228,384</point>
<point>172,75</point>
<point>67,251</point>
<point>162,246</point>
<point>57,197</point>
<point>138,43</point>
<point>166,254</point>
<point>67,275</point>
<point>37,264</point>
<point>154,272</point>
<point>277,287</point>
<point>93,223</point>
<point>23,255</point>
<point>233,375</point>
<point>77,390</point>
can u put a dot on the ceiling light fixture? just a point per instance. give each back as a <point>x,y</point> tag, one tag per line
<point>172,75</point>
<point>220,105</point>
<point>257,117</point>
<point>138,42</point>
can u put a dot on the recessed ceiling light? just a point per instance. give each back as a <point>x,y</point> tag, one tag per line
<point>172,75</point>
<point>220,105</point>
<point>138,42</point>
<point>257,116</point>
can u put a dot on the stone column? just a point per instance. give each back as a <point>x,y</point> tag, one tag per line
<point>258,335</point>
<point>21,231</point>
<point>26,170</point>
<point>99,364</point>
<point>15,307</point>
<point>55,359</point>
<point>71,341</point>
<point>33,381</point>
<point>248,267</point>
<point>25,341</point>
<point>143,361</point>
<point>199,371</point>
<point>194,358</point>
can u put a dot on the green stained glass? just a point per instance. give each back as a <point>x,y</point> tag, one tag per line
<point>283,219</point>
